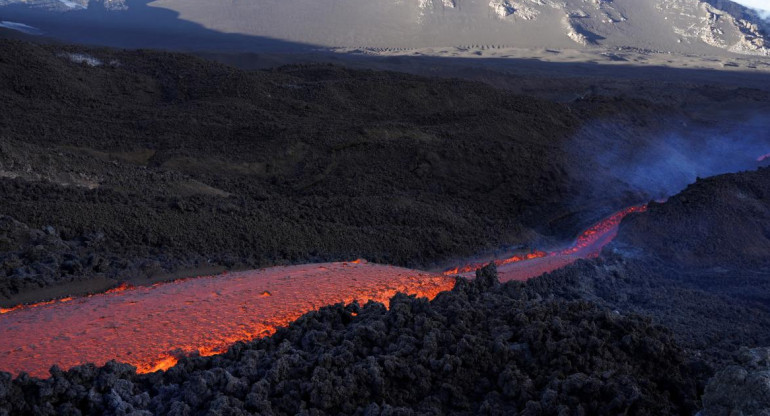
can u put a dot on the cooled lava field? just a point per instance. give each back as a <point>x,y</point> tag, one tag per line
<point>562,251</point>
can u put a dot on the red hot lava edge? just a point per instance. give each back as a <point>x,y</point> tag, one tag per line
<point>151,327</point>
<point>588,244</point>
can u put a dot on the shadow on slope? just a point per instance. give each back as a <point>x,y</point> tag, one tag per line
<point>145,26</point>
<point>140,26</point>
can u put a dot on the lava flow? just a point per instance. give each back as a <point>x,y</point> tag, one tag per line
<point>150,327</point>
<point>526,266</point>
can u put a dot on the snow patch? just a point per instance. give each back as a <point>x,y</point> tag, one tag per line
<point>432,4</point>
<point>700,20</point>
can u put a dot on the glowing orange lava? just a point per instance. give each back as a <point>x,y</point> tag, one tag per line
<point>119,288</point>
<point>469,268</point>
<point>34,305</point>
<point>588,244</point>
<point>152,327</point>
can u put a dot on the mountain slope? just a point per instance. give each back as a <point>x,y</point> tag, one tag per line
<point>681,26</point>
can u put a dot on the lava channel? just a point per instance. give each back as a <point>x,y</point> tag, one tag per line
<point>524,267</point>
<point>151,327</point>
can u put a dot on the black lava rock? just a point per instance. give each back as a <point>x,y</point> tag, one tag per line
<point>479,349</point>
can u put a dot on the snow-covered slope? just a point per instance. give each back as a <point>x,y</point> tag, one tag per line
<point>680,26</point>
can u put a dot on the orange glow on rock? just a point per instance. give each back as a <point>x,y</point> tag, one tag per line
<point>6,310</point>
<point>152,327</point>
<point>162,363</point>
<point>33,305</point>
<point>121,287</point>
<point>469,268</point>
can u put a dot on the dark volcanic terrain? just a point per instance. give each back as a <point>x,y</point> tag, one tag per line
<point>697,263</point>
<point>479,349</point>
<point>571,341</point>
<point>163,161</point>
<point>140,165</point>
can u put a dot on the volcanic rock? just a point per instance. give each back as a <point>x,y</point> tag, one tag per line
<point>742,389</point>
<point>479,349</point>
<point>721,221</point>
<point>205,165</point>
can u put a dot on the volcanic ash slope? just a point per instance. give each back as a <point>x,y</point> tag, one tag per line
<point>682,26</point>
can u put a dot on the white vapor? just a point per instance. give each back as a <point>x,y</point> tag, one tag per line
<point>620,166</point>
<point>762,7</point>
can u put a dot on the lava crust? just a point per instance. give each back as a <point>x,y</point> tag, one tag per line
<point>479,349</point>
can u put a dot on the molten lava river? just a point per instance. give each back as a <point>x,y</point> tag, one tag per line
<point>149,327</point>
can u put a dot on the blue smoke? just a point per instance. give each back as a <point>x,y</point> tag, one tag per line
<point>660,165</point>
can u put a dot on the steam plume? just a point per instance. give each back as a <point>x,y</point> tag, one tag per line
<point>656,166</point>
<point>762,7</point>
